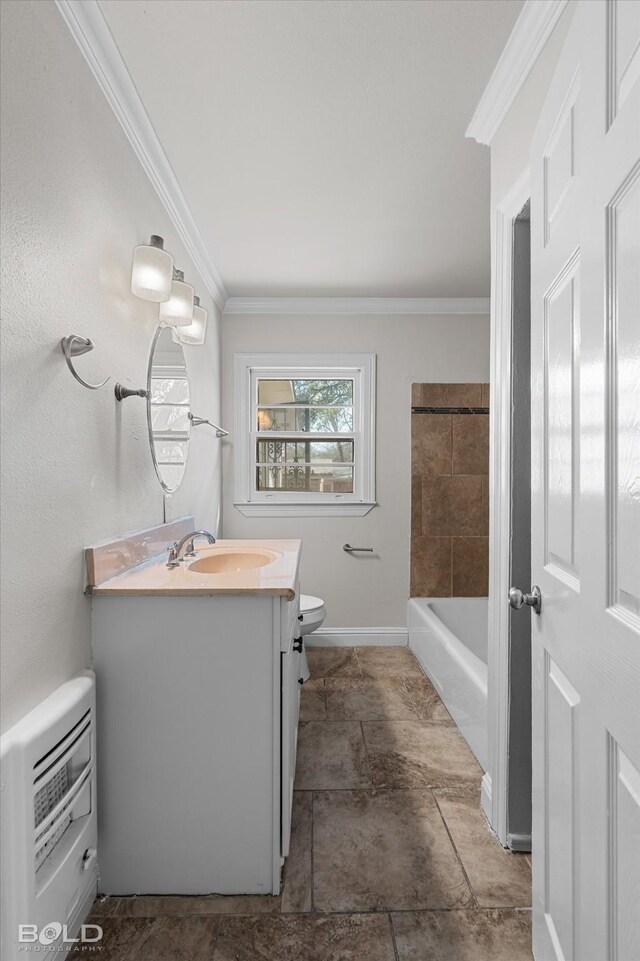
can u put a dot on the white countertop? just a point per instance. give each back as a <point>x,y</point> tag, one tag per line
<point>153,577</point>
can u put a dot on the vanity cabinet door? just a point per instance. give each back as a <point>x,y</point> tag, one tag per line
<point>290,673</point>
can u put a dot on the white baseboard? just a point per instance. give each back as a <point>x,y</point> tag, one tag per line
<point>358,637</point>
<point>519,842</point>
<point>485,796</point>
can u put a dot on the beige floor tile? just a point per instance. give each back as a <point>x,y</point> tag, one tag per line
<point>331,755</point>
<point>313,705</point>
<point>179,906</point>
<point>388,662</point>
<point>104,907</point>
<point>463,936</point>
<point>306,938</point>
<point>296,890</point>
<point>383,850</point>
<point>426,700</point>
<point>499,878</point>
<point>160,939</point>
<point>368,698</point>
<point>412,754</point>
<point>333,662</point>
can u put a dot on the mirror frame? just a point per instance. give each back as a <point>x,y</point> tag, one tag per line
<point>167,490</point>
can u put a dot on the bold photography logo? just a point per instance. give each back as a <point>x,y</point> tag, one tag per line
<point>54,931</point>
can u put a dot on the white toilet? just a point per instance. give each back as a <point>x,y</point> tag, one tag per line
<point>313,613</point>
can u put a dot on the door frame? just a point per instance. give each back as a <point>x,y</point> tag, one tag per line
<point>495,781</point>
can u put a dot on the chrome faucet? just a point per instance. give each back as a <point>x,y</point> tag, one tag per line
<point>174,559</point>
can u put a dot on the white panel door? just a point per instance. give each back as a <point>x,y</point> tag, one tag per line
<point>585,327</point>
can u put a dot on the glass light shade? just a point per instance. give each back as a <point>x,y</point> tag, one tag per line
<point>178,310</point>
<point>152,271</point>
<point>194,333</point>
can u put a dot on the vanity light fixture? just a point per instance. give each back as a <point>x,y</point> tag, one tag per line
<point>178,310</point>
<point>194,333</point>
<point>152,271</point>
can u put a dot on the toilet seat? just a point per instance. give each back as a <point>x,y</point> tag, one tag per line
<point>312,613</point>
<point>310,603</point>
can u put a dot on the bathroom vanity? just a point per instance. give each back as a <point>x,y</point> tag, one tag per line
<point>197,673</point>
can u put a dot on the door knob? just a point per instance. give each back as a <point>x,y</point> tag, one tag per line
<point>517,599</point>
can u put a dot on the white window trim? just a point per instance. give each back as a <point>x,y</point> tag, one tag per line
<point>294,503</point>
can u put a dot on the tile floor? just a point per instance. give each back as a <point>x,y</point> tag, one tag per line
<point>391,859</point>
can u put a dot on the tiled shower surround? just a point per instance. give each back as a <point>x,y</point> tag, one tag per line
<point>449,490</point>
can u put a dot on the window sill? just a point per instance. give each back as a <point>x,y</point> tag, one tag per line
<point>334,509</point>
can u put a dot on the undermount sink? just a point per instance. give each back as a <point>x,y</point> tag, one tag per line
<point>231,562</point>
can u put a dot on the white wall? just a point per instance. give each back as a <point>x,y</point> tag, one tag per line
<point>360,591</point>
<point>76,466</point>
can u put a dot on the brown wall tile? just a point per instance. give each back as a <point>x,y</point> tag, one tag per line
<point>470,443</point>
<point>451,395</point>
<point>416,505</point>
<point>430,443</point>
<point>451,506</point>
<point>470,563</point>
<point>431,567</point>
<point>486,395</point>
<point>449,492</point>
<point>485,505</point>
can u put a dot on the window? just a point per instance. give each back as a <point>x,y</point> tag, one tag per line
<point>305,434</point>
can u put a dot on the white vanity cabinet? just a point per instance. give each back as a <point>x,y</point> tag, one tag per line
<point>197,716</point>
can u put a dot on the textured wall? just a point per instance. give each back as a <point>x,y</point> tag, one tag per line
<point>363,590</point>
<point>76,467</point>
<point>450,490</point>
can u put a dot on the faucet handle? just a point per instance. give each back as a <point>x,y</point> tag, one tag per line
<point>172,559</point>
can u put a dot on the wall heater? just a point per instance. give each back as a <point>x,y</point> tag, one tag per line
<point>49,866</point>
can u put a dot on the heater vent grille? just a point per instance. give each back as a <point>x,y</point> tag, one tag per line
<point>61,788</point>
<point>50,795</point>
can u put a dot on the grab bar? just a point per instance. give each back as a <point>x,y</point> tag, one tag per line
<point>352,550</point>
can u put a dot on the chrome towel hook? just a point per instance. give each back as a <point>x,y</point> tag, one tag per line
<point>73,346</point>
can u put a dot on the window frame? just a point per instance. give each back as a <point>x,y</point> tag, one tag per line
<point>249,367</point>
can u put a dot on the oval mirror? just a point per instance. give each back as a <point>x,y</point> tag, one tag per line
<point>168,408</point>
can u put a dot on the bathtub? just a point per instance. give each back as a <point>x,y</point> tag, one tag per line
<point>448,636</point>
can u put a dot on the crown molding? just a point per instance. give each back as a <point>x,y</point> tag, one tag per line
<point>306,306</point>
<point>533,28</point>
<point>90,31</point>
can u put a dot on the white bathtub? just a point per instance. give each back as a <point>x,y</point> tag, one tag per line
<point>448,635</point>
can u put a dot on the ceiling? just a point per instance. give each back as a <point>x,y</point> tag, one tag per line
<point>320,143</point>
